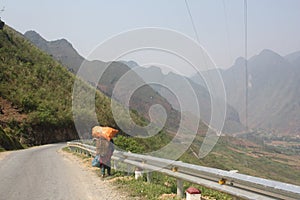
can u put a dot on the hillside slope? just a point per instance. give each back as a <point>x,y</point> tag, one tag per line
<point>39,89</point>
<point>36,101</point>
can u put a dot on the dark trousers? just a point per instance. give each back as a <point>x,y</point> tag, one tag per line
<point>103,167</point>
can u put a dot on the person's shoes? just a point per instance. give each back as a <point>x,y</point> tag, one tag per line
<point>103,175</point>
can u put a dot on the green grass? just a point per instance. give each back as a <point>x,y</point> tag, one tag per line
<point>228,156</point>
<point>161,184</point>
<point>140,188</point>
<point>67,149</point>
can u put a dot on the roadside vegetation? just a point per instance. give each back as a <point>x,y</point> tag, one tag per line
<point>162,187</point>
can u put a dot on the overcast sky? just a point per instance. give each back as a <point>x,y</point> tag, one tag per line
<point>272,24</point>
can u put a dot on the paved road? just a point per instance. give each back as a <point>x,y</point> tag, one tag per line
<point>42,173</point>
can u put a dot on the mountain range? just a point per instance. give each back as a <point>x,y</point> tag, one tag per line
<point>273,92</point>
<point>111,72</point>
<point>140,101</point>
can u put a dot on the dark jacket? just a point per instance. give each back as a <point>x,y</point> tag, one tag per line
<point>107,157</point>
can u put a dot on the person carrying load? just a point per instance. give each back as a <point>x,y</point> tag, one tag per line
<point>104,147</point>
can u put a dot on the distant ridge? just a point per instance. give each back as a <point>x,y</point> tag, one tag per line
<point>61,50</point>
<point>274,93</point>
<point>140,102</point>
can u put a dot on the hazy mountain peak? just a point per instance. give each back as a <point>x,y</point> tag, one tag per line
<point>240,61</point>
<point>293,55</point>
<point>267,58</point>
<point>36,38</point>
<point>155,69</point>
<point>63,43</point>
<point>294,58</point>
<point>61,49</point>
<point>268,53</point>
<point>130,63</point>
<point>32,35</point>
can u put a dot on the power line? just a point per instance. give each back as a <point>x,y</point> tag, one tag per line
<point>192,20</point>
<point>204,59</point>
<point>246,61</point>
<point>227,32</point>
<point>246,52</point>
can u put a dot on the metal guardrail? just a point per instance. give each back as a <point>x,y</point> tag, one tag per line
<point>235,184</point>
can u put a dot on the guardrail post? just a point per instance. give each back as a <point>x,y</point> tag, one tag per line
<point>115,166</point>
<point>128,173</point>
<point>138,172</point>
<point>179,188</point>
<point>149,177</point>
